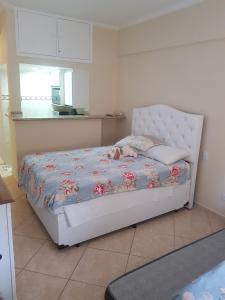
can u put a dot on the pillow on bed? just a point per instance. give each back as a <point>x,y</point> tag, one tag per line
<point>166,154</point>
<point>139,142</point>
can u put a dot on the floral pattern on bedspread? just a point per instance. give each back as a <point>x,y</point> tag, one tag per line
<point>209,286</point>
<point>56,179</point>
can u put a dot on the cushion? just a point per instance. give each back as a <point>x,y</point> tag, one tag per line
<point>166,154</point>
<point>139,142</point>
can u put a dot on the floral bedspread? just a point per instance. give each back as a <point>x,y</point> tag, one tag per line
<point>56,179</point>
<point>209,286</point>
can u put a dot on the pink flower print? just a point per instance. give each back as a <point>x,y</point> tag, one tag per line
<point>99,189</point>
<point>66,173</point>
<point>76,158</point>
<point>40,188</point>
<point>109,182</point>
<point>50,167</point>
<point>69,187</point>
<point>22,169</point>
<point>151,185</point>
<point>79,167</point>
<point>129,179</point>
<point>96,173</point>
<point>104,161</point>
<point>64,153</point>
<point>129,176</point>
<point>175,171</point>
<point>129,160</point>
<point>149,166</point>
<point>123,166</point>
<point>30,168</point>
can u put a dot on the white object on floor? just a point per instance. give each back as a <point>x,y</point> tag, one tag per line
<point>7,268</point>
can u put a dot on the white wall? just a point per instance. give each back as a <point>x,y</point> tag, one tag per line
<point>179,60</point>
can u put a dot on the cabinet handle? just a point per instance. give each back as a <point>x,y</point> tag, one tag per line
<point>0,256</point>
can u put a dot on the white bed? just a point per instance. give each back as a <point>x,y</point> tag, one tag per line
<point>86,220</point>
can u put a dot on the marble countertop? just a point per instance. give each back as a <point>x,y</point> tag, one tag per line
<point>20,117</point>
<point>4,194</point>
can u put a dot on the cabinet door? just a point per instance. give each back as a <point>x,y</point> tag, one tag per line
<point>36,33</point>
<point>74,40</point>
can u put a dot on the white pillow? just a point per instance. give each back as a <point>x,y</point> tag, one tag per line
<point>139,142</point>
<point>166,154</point>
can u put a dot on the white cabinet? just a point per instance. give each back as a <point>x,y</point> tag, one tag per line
<point>43,35</point>
<point>7,271</point>
<point>37,33</point>
<point>74,39</point>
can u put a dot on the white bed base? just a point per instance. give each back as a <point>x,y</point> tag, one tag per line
<point>116,211</point>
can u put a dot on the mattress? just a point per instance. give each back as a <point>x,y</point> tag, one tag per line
<point>58,179</point>
<point>163,278</point>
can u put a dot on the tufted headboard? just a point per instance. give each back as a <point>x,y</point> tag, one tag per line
<point>174,127</point>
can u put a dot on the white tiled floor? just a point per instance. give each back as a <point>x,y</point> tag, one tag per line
<point>46,273</point>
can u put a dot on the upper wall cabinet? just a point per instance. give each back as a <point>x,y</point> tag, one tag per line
<point>37,34</point>
<point>43,35</point>
<point>74,39</point>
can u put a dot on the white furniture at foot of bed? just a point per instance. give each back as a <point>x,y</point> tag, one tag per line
<point>86,220</point>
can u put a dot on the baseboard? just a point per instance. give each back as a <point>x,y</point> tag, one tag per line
<point>210,209</point>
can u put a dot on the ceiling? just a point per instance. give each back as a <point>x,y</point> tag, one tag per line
<point>115,13</point>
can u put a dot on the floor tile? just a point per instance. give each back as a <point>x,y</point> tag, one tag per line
<point>200,230</point>
<point>33,228</point>
<point>82,291</point>
<point>15,191</point>
<point>160,225</point>
<point>135,262</point>
<point>187,224</point>
<point>216,222</point>
<point>35,286</point>
<point>151,245</point>
<point>21,211</point>
<point>100,267</point>
<point>52,261</point>
<point>9,180</point>
<point>197,213</point>
<point>24,249</point>
<point>119,241</point>
<point>181,241</point>
<point>17,271</point>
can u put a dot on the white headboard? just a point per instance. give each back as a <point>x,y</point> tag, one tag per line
<point>176,128</point>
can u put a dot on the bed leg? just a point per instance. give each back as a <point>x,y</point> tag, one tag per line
<point>134,226</point>
<point>61,247</point>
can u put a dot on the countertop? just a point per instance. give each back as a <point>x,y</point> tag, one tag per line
<point>20,117</point>
<point>4,194</point>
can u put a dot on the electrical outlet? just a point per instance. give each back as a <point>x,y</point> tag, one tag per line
<point>205,155</point>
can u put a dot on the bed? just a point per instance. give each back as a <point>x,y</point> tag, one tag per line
<point>114,204</point>
<point>196,271</point>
